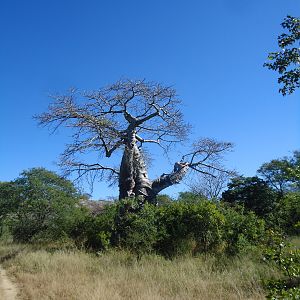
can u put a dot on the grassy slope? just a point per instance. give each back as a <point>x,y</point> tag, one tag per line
<point>118,275</point>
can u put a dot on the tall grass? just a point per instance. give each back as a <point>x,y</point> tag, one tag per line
<point>119,275</point>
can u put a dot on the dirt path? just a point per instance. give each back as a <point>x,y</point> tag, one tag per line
<point>8,290</point>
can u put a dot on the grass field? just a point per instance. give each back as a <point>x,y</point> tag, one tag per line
<point>119,275</point>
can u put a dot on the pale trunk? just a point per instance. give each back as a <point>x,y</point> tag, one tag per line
<point>134,181</point>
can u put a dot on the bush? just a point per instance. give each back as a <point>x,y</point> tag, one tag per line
<point>8,204</point>
<point>46,207</point>
<point>287,260</point>
<point>242,230</point>
<point>123,224</point>
<point>136,228</point>
<point>189,227</point>
<point>288,213</point>
<point>94,231</point>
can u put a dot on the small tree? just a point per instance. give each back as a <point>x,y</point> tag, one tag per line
<point>282,174</point>
<point>46,206</point>
<point>123,118</point>
<point>286,61</point>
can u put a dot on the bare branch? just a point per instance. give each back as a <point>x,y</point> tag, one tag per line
<point>112,117</point>
<point>212,184</point>
<point>124,117</point>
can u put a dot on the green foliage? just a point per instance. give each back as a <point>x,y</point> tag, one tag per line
<point>294,170</point>
<point>45,206</point>
<point>124,224</point>
<point>163,199</point>
<point>95,232</point>
<point>287,260</point>
<point>190,227</point>
<point>282,174</point>
<point>242,230</point>
<point>136,228</point>
<point>42,206</point>
<point>251,192</point>
<point>286,61</point>
<point>175,228</point>
<point>8,203</point>
<point>190,197</point>
<point>288,213</point>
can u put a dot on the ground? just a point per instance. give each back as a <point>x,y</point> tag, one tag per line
<point>8,290</point>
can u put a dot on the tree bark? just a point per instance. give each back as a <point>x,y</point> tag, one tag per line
<point>133,178</point>
<point>134,181</point>
<point>166,180</point>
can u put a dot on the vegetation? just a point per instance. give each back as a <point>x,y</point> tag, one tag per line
<point>287,260</point>
<point>40,206</point>
<point>119,275</point>
<point>254,218</point>
<point>286,61</point>
<point>251,192</point>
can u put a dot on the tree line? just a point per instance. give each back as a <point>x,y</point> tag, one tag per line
<point>41,205</point>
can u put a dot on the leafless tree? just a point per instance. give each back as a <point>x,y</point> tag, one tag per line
<point>123,118</point>
<point>210,185</point>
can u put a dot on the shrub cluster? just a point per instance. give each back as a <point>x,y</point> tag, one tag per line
<point>287,260</point>
<point>175,228</point>
<point>42,206</point>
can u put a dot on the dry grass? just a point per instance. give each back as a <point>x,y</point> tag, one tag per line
<point>118,275</point>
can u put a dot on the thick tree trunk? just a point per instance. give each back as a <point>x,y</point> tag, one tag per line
<point>133,178</point>
<point>167,180</point>
<point>134,181</point>
<point>126,177</point>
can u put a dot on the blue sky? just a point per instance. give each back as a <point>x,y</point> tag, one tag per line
<point>212,52</point>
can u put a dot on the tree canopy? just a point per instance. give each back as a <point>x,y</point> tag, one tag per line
<point>282,174</point>
<point>251,192</point>
<point>40,204</point>
<point>286,61</point>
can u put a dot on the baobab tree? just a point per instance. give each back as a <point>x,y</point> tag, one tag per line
<point>123,118</point>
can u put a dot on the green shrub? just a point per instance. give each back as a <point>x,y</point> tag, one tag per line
<point>242,230</point>
<point>124,224</point>
<point>95,232</point>
<point>288,213</point>
<point>189,228</point>
<point>287,259</point>
<point>174,228</point>
<point>137,228</point>
<point>190,197</point>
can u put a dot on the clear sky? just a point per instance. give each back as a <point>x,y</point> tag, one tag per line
<point>212,52</point>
